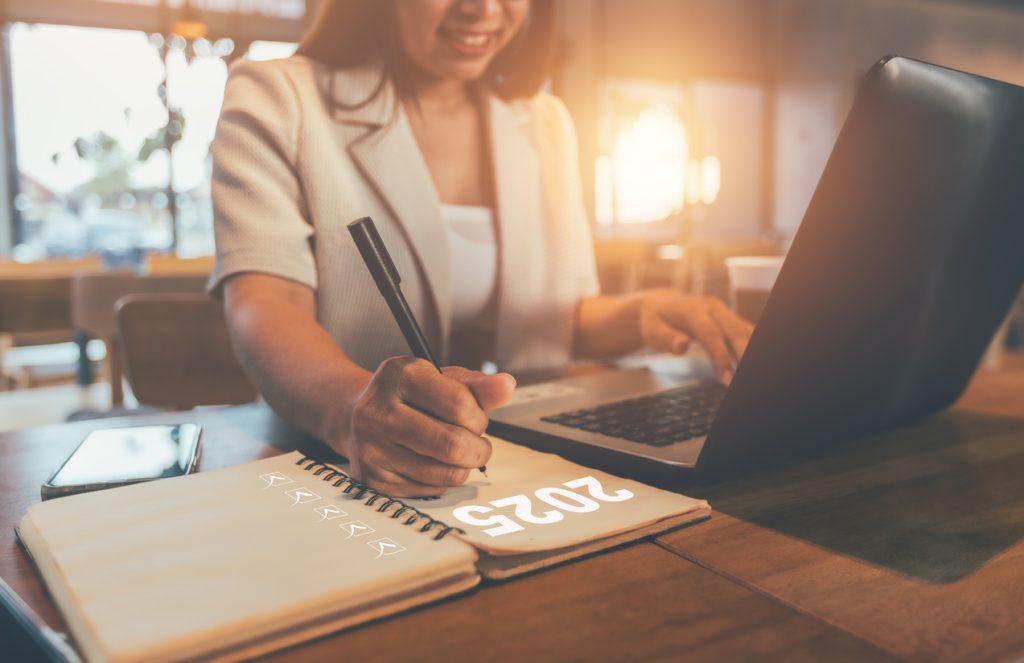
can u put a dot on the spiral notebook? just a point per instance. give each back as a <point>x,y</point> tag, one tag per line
<point>241,561</point>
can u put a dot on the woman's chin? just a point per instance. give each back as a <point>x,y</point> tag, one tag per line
<point>462,71</point>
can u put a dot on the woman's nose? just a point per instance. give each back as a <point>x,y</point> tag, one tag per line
<point>480,8</point>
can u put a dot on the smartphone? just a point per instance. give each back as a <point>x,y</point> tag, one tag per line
<point>119,456</point>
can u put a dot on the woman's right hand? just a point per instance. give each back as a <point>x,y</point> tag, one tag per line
<point>414,432</point>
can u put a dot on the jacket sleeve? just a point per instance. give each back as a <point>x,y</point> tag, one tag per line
<point>260,218</point>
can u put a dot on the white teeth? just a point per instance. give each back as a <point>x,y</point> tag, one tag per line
<point>472,40</point>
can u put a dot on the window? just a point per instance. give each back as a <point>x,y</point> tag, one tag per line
<point>674,152</point>
<point>292,9</point>
<point>91,134</point>
<point>78,135</point>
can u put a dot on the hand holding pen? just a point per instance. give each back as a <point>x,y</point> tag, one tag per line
<point>417,429</point>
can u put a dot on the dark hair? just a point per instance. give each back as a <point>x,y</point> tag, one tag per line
<point>349,33</point>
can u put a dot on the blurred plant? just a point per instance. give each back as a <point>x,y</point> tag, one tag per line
<point>166,137</point>
<point>114,164</point>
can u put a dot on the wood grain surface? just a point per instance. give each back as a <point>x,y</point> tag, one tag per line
<point>639,602</point>
<point>911,540</point>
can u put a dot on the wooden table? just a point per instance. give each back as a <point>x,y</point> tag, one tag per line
<point>905,547</point>
<point>913,541</point>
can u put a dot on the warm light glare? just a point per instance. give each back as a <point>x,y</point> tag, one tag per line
<point>703,180</point>
<point>648,164</point>
<point>604,198</point>
<point>710,179</point>
<point>670,252</point>
<point>190,30</point>
<point>693,181</point>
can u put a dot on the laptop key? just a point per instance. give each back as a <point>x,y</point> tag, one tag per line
<point>657,420</point>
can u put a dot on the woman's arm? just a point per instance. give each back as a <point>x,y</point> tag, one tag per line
<point>665,320</point>
<point>296,365</point>
<point>407,429</point>
<point>609,326</point>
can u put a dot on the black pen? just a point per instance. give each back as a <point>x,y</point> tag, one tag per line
<point>385,275</point>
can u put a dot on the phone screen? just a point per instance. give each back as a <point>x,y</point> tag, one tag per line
<point>124,455</point>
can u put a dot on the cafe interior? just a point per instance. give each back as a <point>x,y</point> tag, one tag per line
<point>703,128</point>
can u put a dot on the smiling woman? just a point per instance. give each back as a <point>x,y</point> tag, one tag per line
<point>513,61</point>
<point>426,116</point>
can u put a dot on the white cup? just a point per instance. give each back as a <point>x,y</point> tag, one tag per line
<point>751,279</point>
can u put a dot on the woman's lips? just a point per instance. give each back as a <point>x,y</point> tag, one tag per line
<point>469,44</point>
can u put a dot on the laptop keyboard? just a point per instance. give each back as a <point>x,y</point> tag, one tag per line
<point>658,420</point>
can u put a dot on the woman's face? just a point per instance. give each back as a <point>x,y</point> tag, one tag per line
<point>457,39</point>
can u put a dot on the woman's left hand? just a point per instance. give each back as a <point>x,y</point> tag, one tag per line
<point>669,320</point>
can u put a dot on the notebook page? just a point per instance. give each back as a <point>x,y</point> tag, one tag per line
<point>183,566</point>
<point>532,501</point>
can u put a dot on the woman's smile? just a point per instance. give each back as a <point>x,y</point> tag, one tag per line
<point>455,40</point>
<point>469,43</point>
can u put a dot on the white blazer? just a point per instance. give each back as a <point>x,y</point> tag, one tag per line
<point>291,170</point>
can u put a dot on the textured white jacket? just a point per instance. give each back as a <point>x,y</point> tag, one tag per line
<point>291,169</point>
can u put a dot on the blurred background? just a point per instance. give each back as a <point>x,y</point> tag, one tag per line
<point>704,126</point>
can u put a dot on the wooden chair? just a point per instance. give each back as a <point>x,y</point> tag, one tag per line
<point>92,309</point>
<point>35,305</point>
<point>177,352</point>
<point>35,309</point>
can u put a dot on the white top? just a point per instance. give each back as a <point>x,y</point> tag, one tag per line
<point>474,252</point>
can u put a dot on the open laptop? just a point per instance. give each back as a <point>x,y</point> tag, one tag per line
<point>909,256</point>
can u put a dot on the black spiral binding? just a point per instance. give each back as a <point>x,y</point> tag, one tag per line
<point>349,485</point>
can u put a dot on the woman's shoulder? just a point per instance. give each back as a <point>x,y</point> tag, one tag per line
<point>295,69</point>
<point>542,107</point>
<point>549,116</point>
<point>310,80</point>
<point>299,83</point>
